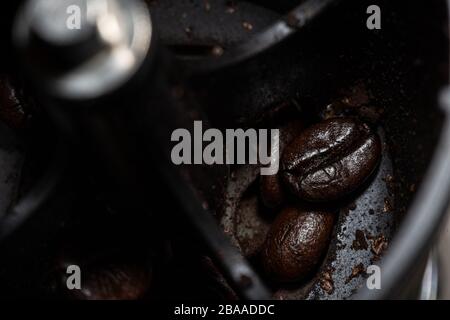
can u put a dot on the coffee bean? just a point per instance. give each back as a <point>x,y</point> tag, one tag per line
<point>331,159</point>
<point>296,242</point>
<point>271,188</point>
<point>272,193</point>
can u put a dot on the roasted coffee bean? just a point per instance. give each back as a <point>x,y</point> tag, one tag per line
<point>271,188</point>
<point>272,193</point>
<point>296,242</point>
<point>331,159</point>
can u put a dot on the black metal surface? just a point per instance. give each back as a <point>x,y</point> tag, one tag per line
<point>11,161</point>
<point>18,212</point>
<point>290,24</point>
<point>240,30</point>
<point>188,24</point>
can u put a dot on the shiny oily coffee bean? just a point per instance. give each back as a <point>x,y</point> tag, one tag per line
<point>272,193</point>
<point>271,187</point>
<point>331,159</point>
<point>296,242</point>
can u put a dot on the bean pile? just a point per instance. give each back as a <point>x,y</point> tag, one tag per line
<point>322,165</point>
